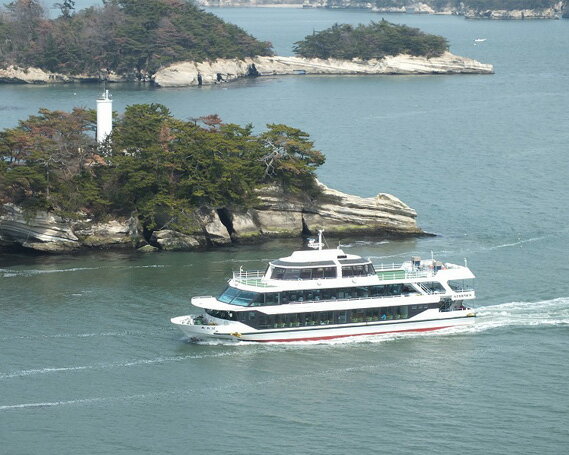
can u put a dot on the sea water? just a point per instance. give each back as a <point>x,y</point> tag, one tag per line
<point>89,362</point>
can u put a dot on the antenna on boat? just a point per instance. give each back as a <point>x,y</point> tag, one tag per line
<point>466,262</point>
<point>317,245</point>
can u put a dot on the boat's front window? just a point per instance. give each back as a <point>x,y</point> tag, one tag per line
<point>237,297</point>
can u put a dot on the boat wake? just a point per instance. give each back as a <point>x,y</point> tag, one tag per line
<point>12,273</point>
<point>124,333</point>
<point>554,312</point>
<point>104,366</point>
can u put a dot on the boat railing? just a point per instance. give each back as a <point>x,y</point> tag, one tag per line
<point>402,274</point>
<point>251,278</point>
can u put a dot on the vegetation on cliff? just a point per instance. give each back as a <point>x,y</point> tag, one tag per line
<point>155,165</point>
<point>125,36</point>
<point>376,40</point>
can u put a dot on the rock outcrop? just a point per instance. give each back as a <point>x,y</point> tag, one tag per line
<point>515,14</point>
<point>31,75</point>
<point>226,70</point>
<point>279,214</point>
<point>46,232</point>
<point>276,214</point>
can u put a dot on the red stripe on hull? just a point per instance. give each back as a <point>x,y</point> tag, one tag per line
<point>331,337</point>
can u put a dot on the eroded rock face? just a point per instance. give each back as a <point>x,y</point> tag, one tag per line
<point>46,232</point>
<point>214,229</point>
<point>169,240</point>
<point>276,214</point>
<point>30,76</point>
<point>517,14</point>
<point>224,70</point>
<point>40,232</point>
<point>336,212</point>
<point>113,233</point>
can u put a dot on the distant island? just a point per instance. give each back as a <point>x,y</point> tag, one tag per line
<point>174,43</point>
<point>130,38</point>
<point>374,41</point>
<point>470,9</point>
<point>161,182</point>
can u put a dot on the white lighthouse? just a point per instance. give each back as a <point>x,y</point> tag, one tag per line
<point>104,117</point>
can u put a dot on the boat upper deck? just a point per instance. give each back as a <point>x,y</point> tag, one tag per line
<point>331,268</point>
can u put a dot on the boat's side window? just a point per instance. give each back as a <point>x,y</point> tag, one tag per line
<point>330,272</point>
<point>278,273</point>
<point>347,271</point>
<point>272,298</point>
<point>359,270</point>
<point>306,274</point>
<point>434,286</point>
<point>292,274</point>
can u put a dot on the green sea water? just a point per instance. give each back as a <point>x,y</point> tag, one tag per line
<point>90,364</point>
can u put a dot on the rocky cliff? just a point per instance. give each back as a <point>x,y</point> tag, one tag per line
<point>226,70</point>
<point>218,71</point>
<point>276,214</point>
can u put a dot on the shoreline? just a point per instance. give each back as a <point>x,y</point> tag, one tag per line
<point>275,215</point>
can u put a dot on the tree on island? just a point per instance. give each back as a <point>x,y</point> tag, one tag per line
<point>125,36</point>
<point>376,40</point>
<point>158,166</point>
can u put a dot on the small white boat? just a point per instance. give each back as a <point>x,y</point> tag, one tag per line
<point>323,294</point>
<point>479,40</point>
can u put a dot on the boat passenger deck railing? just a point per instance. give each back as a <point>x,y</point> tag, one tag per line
<point>251,278</point>
<point>400,272</point>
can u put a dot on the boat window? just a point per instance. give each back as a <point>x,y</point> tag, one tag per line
<point>306,274</point>
<point>330,272</point>
<point>228,295</point>
<point>228,315</point>
<point>434,286</point>
<point>318,318</point>
<point>278,273</point>
<point>318,273</point>
<point>242,298</point>
<point>292,274</point>
<point>459,285</point>
<point>272,298</point>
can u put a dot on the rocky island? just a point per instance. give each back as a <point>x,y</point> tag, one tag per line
<point>174,43</point>
<point>157,182</point>
<point>276,214</point>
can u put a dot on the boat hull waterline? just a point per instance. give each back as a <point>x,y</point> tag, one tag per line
<point>205,332</point>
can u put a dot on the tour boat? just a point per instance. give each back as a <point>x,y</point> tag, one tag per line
<point>324,294</point>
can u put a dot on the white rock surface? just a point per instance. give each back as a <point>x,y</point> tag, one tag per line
<point>334,211</point>
<point>224,70</point>
<point>30,75</point>
<point>42,231</point>
<point>169,240</point>
<point>215,230</point>
<point>110,234</point>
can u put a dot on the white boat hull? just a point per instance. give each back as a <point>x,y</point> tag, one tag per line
<point>240,332</point>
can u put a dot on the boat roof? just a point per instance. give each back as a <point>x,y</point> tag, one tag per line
<point>319,258</point>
